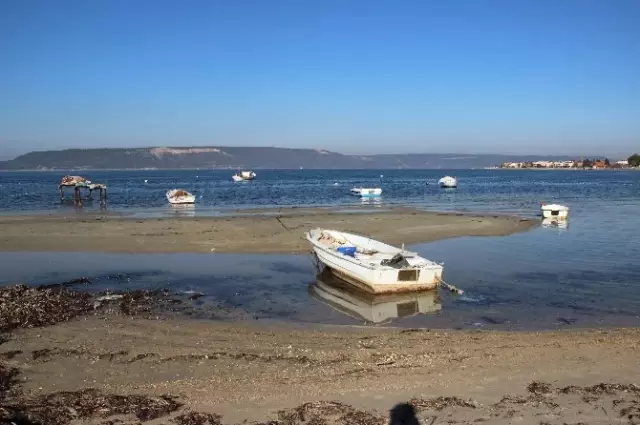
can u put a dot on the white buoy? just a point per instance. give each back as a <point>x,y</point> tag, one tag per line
<point>146,181</point>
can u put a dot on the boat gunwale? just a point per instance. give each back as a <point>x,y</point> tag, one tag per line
<point>427,265</point>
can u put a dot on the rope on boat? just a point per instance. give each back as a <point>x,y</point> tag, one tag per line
<point>451,288</point>
<point>315,261</point>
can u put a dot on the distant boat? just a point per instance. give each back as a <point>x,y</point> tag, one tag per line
<point>448,182</point>
<point>373,266</point>
<point>243,176</point>
<point>180,196</point>
<point>343,297</point>
<point>366,192</point>
<point>554,211</point>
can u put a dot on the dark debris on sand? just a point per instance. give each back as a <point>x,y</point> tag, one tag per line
<point>22,306</point>
<point>440,403</point>
<point>63,407</point>
<point>537,387</point>
<point>8,379</point>
<point>197,418</point>
<point>25,307</point>
<point>327,412</point>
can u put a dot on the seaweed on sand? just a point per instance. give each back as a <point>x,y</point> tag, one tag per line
<point>22,306</point>
<point>7,380</point>
<point>325,412</point>
<point>25,307</point>
<point>537,387</point>
<point>439,403</point>
<point>63,407</point>
<point>197,418</point>
<point>134,303</point>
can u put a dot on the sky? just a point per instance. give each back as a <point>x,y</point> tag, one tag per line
<point>352,76</point>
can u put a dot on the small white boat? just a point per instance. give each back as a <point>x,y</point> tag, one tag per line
<point>243,176</point>
<point>554,211</point>
<point>373,266</point>
<point>360,305</point>
<point>366,192</point>
<point>180,196</point>
<point>448,181</point>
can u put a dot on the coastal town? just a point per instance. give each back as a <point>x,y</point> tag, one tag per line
<point>584,163</point>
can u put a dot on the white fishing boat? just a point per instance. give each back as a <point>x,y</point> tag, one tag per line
<point>180,196</point>
<point>554,211</point>
<point>243,176</point>
<point>373,266</point>
<point>448,182</point>
<point>360,305</point>
<point>366,191</point>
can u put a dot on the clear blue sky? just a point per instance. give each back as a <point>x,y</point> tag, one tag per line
<point>354,76</point>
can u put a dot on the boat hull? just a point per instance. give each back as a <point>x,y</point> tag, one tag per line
<point>380,281</point>
<point>448,182</point>
<point>182,200</point>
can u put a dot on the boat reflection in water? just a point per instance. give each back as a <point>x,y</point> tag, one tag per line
<point>371,201</point>
<point>555,223</point>
<point>183,210</point>
<point>361,305</point>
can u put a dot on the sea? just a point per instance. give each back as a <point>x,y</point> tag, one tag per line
<point>582,275</point>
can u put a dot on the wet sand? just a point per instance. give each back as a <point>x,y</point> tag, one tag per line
<point>243,371</point>
<point>279,231</point>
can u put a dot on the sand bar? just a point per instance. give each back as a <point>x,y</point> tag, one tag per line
<point>279,231</point>
<point>250,372</point>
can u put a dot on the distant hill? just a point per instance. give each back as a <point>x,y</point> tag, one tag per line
<point>247,158</point>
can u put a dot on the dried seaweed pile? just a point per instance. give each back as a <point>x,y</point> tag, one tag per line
<point>440,403</point>
<point>197,418</point>
<point>7,380</point>
<point>25,307</point>
<point>63,407</point>
<point>135,303</point>
<point>328,412</point>
<point>29,307</point>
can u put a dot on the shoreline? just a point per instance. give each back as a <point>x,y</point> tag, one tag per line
<point>273,230</point>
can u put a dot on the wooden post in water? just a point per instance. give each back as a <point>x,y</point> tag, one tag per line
<point>76,195</point>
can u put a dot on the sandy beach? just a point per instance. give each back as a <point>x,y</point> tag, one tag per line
<point>249,372</point>
<point>281,231</point>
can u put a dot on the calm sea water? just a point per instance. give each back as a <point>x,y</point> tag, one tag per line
<point>143,192</point>
<point>587,274</point>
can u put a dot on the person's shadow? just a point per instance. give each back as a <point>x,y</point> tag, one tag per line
<point>403,414</point>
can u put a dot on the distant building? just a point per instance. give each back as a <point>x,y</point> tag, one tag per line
<point>543,164</point>
<point>623,163</point>
<point>512,165</point>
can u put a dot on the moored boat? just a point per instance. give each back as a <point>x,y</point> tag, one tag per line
<point>554,211</point>
<point>373,266</point>
<point>180,196</point>
<point>448,182</point>
<point>353,302</point>
<point>243,176</point>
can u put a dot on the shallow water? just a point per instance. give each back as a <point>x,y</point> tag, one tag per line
<point>584,275</point>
